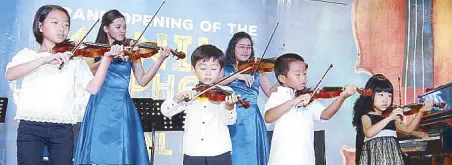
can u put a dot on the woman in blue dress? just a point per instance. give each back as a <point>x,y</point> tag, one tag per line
<point>111,131</point>
<point>250,142</point>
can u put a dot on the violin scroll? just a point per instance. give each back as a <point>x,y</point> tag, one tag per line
<point>440,105</point>
<point>365,92</point>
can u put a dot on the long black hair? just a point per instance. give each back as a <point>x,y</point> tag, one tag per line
<point>230,51</point>
<point>41,15</point>
<point>107,19</point>
<point>364,105</point>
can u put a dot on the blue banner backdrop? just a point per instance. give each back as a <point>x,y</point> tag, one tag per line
<point>320,32</point>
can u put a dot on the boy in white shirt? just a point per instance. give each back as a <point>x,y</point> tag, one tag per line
<point>206,138</point>
<point>293,135</point>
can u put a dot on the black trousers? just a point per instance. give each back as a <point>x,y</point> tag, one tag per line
<point>32,137</point>
<point>223,159</point>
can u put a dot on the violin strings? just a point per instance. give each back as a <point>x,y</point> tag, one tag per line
<point>400,91</point>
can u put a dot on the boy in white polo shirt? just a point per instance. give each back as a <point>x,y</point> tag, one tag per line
<point>206,138</point>
<point>293,135</point>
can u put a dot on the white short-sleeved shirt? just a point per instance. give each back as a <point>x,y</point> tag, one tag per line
<point>293,135</point>
<point>47,93</point>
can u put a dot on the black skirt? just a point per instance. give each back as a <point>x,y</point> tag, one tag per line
<point>381,151</point>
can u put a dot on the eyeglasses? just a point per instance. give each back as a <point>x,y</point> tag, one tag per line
<point>243,47</point>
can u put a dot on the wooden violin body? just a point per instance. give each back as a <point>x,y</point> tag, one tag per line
<point>331,92</point>
<point>148,49</point>
<point>89,49</point>
<point>263,65</point>
<point>410,109</point>
<point>217,95</point>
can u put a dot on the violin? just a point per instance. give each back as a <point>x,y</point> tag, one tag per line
<point>262,65</point>
<point>317,87</point>
<point>148,49</point>
<point>331,92</point>
<point>67,45</point>
<point>410,109</point>
<point>144,50</point>
<point>218,94</point>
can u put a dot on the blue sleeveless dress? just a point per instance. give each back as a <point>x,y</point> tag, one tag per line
<point>111,131</point>
<point>250,142</point>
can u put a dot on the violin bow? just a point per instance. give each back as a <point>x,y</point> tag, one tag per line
<point>79,43</point>
<point>141,35</point>
<point>265,50</point>
<point>400,90</point>
<point>317,87</point>
<point>400,97</point>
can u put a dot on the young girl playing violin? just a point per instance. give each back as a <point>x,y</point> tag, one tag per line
<point>250,144</point>
<point>111,131</point>
<point>376,142</point>
<point>46,104</point>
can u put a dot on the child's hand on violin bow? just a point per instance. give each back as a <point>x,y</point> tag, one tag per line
<point>185,95</point>
<point>302,100</point>
<point>58,58</point>
<point>230,101</point>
